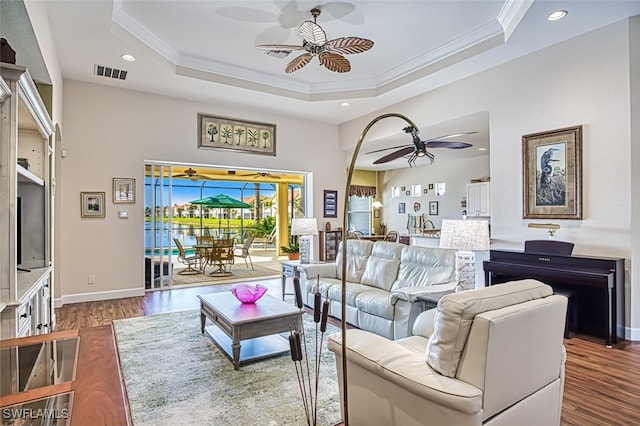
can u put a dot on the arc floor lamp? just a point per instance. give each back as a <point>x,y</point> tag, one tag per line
<point>343,309</point>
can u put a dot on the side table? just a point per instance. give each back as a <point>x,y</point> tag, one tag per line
<point>289,270</point>
<point>430,300</point>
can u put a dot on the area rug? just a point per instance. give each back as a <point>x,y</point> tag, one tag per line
<point>174,375</point>
<point>238,273</point>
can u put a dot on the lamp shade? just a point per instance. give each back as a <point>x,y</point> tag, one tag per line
<point>304,226</point>
<point>466,235</point>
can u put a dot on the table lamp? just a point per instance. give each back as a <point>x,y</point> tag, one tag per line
<point>304,227</point>
<point>465,236</point>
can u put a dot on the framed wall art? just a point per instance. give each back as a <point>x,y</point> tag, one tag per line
<point>236,135</point>
<point>330,203</point>
<point>433,208</point>
<point>395,192</point>
<point>552,174</point>
<point>124,190</point>
<point>92,204</point>
<point>401,208</point>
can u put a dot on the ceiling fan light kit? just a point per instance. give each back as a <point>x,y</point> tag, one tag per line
<point>315,43</point>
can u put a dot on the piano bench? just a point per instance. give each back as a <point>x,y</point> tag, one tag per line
<point>571,324</point>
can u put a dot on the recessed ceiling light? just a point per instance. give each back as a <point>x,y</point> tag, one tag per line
<point>344,104</point>
<point>557,15</point>
<point>482,149</point>
<point>128,57</point>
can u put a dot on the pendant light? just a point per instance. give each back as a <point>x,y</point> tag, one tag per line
<point>376,204</point>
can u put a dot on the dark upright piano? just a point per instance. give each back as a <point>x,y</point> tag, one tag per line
<point>596,285</point>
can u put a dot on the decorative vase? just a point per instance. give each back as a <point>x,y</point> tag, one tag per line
<point>247,293</point>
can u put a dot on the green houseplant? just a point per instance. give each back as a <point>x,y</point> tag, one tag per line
<point>292,250</point>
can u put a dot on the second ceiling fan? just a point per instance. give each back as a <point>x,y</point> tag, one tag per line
<point>418,148</point>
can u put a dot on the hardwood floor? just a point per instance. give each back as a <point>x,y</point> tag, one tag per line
<point>602,385</point>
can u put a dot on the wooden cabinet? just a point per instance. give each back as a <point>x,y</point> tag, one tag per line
<point>478,199</point>
<point>329,243</point>
<point>25,206</point>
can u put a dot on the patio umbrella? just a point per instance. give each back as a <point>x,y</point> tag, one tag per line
<point>221,201</point>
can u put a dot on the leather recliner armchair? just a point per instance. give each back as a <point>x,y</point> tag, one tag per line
<point>491,356</point>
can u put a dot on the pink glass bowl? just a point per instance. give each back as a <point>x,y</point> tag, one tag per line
<point>247,293</point>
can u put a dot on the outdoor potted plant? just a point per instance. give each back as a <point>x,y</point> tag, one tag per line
<point>292,250</point>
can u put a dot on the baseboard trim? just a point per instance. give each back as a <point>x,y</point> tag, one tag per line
<point>632,334</point>
<point>100,295</point>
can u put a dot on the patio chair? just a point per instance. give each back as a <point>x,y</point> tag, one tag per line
<point>221,256</point>
<point>271,239</point>
<point>190,261</point>
<point>243,252</point>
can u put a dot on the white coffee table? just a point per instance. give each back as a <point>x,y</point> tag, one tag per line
<point>247,332</point>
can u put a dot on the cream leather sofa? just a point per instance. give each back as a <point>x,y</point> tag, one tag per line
<point>491,356</point>
<point>383,282</point>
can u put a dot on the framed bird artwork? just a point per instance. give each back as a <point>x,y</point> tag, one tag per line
<point>552,174</point>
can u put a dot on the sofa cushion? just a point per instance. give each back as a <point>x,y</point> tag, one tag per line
<point>456,312</point>
<point>357,253</point>
<point>382,265</point>
<point>425,266</point>
<point>375,302</point>
<point>353,291</point>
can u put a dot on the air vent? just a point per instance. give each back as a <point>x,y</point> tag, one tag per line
<point>231,172</point>
<point>109,72</point>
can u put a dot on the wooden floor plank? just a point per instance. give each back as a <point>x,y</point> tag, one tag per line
<point>602,384</point>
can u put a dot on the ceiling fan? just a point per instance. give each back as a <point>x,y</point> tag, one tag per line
<point>315,43</point>
<point>419,148</point>
<point>191,174</point>
<point>263,174</point>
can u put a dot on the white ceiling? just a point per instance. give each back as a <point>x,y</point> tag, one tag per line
<point>205,50</point>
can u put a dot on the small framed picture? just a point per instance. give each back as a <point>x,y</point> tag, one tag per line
<point>403,188</point>
<point>401,208</point>
<point>330,203</point>
<point>376,214</point>
<point>431,186</point>
<point>124,190</point>
<point>395,192</point>
<point>416,190</point>
<point>407,193</point>
<point>92,204</point>
<point>425,191</point>
<point>433,208</point>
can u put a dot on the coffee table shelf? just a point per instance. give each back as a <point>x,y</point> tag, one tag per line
<point>247,332</point>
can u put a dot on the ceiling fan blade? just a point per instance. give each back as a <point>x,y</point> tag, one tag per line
<point>279,47</point>
<point>448,144</point>
<point>386,149</point>
<point>298,63</point>
<point>313,33</point>
<point>455,135</point>
<point>179,176</point>
<point>349,45</point>
<point>335,62</point>
<point>394,155</point>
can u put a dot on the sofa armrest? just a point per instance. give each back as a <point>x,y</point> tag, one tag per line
<point>406,369</point>
<point>424,325</point>
<point>410,294</point>
<point>311,270</point>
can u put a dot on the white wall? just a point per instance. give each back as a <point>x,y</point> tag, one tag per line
<point>110,133</point>
<point>581,81</point>
<point>455,173</point>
